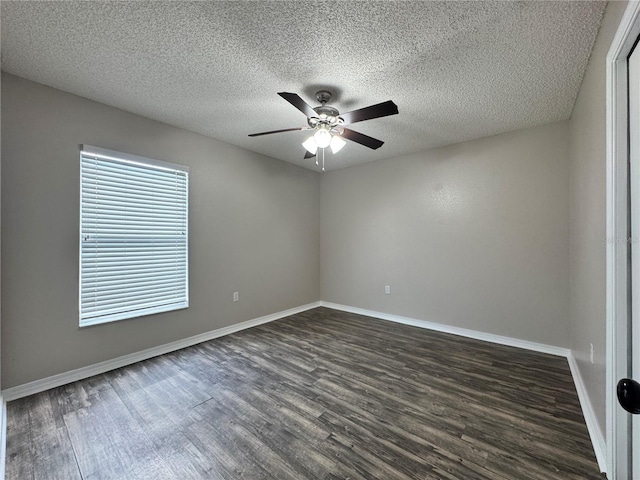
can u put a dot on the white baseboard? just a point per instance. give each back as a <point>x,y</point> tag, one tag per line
<point>597,438</point>
<point>41,385</point>
<point>463,332</point>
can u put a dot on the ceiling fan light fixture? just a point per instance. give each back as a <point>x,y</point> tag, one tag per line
<point>322,137</point>
<point>336,144</point>
<point>311,145</point>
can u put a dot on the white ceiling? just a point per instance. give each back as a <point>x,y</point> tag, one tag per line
<point>456,70</point>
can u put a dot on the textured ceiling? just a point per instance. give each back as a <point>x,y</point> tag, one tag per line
<point>456,70</point>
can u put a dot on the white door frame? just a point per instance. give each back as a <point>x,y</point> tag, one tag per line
<point>618,257</point>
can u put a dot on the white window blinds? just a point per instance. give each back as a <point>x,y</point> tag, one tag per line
<point>133,238</point>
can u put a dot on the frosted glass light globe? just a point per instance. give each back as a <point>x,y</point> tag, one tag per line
<point>336,144</point>
<point>322,138</point>
<point>311,145</point>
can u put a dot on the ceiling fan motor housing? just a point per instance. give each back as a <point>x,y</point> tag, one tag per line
<point>327,116</point>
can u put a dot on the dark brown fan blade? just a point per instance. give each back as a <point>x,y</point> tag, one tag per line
<point>277,131</point>
<point>308,154</point>
<point>373,111</point>
<point>300,104</point>
<point>362,139</point>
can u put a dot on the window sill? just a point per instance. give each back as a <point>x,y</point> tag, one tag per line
<point>132,314</point>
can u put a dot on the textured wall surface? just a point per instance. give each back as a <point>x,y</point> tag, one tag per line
<point>253,228</point>
<point>473,235</point>
<point>588,217</point>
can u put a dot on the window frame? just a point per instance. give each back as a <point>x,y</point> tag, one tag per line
<point>130,159</point>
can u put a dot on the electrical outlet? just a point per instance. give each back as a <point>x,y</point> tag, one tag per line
<point>591,353</point>
<point>236,296</point>
<point>387,289</point>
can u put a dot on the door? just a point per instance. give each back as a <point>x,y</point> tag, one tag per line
<point>628,389</point>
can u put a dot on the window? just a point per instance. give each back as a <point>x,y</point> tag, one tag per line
<point>133,236</point>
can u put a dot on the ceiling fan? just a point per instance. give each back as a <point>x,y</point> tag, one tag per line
<point>328,124</point>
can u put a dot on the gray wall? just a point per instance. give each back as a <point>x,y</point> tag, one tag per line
<point>587,130</point>
<point>474,235</point>
<point>254,228</point>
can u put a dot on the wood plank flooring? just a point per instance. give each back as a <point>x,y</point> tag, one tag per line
<point>318,395</point>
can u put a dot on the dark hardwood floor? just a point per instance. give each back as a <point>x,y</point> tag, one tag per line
<point>318,395</point>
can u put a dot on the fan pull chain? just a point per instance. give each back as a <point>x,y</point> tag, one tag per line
<point>323,159</point>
